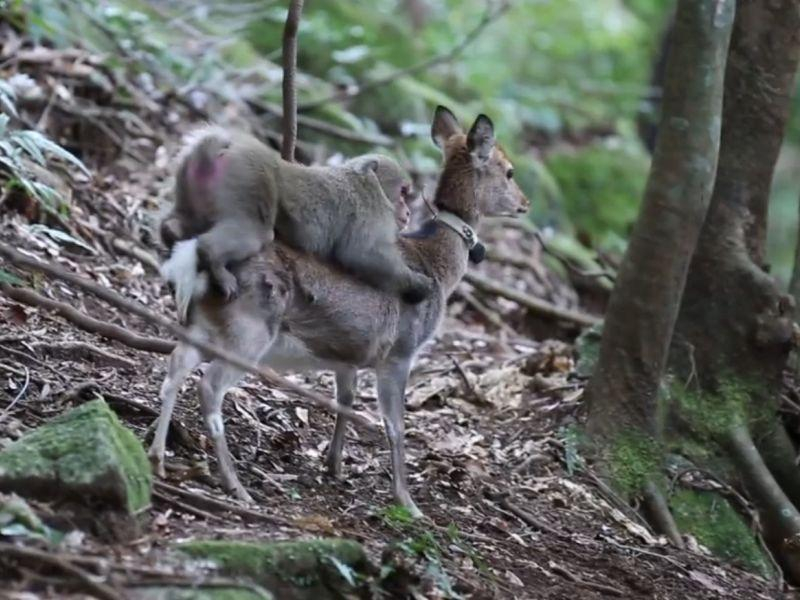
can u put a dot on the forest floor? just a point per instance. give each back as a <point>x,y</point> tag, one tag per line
<point>491,453</point>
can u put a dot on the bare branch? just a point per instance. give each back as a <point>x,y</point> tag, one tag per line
<point>289,88</point>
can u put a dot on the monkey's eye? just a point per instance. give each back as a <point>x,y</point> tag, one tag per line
<point>510,174</point>
<point>405,191</point>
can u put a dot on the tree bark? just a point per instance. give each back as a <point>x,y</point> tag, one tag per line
<point>734,319</point>
<point>638,329</point>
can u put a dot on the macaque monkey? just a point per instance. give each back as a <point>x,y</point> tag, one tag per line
<point>236,195</point>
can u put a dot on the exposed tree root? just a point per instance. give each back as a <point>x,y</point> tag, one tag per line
<point>87,323</point>
<point>780,516</point>
<point>659,515</point>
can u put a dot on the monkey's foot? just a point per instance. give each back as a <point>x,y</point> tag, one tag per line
<point>227,285</point>
<point>333,466</point>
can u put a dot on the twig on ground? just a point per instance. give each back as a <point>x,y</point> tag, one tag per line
<point>63,563</point>
<point>598,587</point>
<point>539,307</point>
<point>19,395</point>
<point>184,507</point>
<point>32,359</point>
<point>134,251</point>
<point>83,350</point>
<point>479,398</point>
<point>210,350</point>
<point>221,505</point>
<point>525,516</point>
<point>487,313</point>
<point>491,15</point>
<point>87,323</point>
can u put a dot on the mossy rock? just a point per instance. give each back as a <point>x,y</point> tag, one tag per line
<point>710,518</point>
<point>201,592</point>
<point>84,454</point>
<point>291,570</point>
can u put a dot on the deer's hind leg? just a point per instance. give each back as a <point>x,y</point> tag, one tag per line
<point>345,389</point>
<point>183,359</point>
<point>250,340</point>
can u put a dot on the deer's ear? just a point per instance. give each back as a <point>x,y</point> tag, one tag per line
<point>445,125</point>
<point>480,139</point>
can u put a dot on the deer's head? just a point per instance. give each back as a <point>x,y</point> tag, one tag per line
<point>477,178</point>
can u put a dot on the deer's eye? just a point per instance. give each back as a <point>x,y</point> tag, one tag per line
<point>510,174</point>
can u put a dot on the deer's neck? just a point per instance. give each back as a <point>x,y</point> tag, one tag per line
<point>443,252</point>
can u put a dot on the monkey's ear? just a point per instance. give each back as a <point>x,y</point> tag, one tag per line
<point>480,139</point>
<point>445,125</point>
<point>366,167</point>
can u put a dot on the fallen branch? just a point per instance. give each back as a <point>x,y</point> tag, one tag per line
<point>89,583</point>
<point>539,307</point>
<point>659,514</point>
<point>209,350</point>
<point>489,16</point>
<point>221,505</point>
<point>87,323</point>
<point>83,350</point>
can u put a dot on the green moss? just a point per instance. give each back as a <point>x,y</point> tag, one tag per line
<point>716,525</point>
<point>711,414</point>
<point>319,568</point>
<point>601,187</point>
<point>634,459</point>
<point>587,347</point>
<point>84,453</point>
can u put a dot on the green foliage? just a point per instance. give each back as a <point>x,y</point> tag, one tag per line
<point>711,519</point>
<point>601,187</point>
<point>633,461</point>
<point>21,148</point>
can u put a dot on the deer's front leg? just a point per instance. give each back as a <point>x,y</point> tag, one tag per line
<point>392,379</point>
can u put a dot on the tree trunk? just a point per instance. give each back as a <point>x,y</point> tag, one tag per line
<point>643,307</point>
<point>734,318</point>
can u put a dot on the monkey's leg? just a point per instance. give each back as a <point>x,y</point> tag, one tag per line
<point>392,378</point>
<point>230,241</point>
<point>345,389</point>
<point>383,267</point>
<point>183,359</point>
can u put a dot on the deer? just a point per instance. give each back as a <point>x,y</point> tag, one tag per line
<point>297,312</point>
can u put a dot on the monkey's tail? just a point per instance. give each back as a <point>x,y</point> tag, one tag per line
<point>202,149</point>
<point>181,271</point>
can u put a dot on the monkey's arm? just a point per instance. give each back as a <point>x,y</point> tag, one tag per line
<point>229,241</point>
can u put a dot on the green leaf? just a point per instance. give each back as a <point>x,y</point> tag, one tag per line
<point>10,278</point>
<point>44,144</point>
<point>60,236</point>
